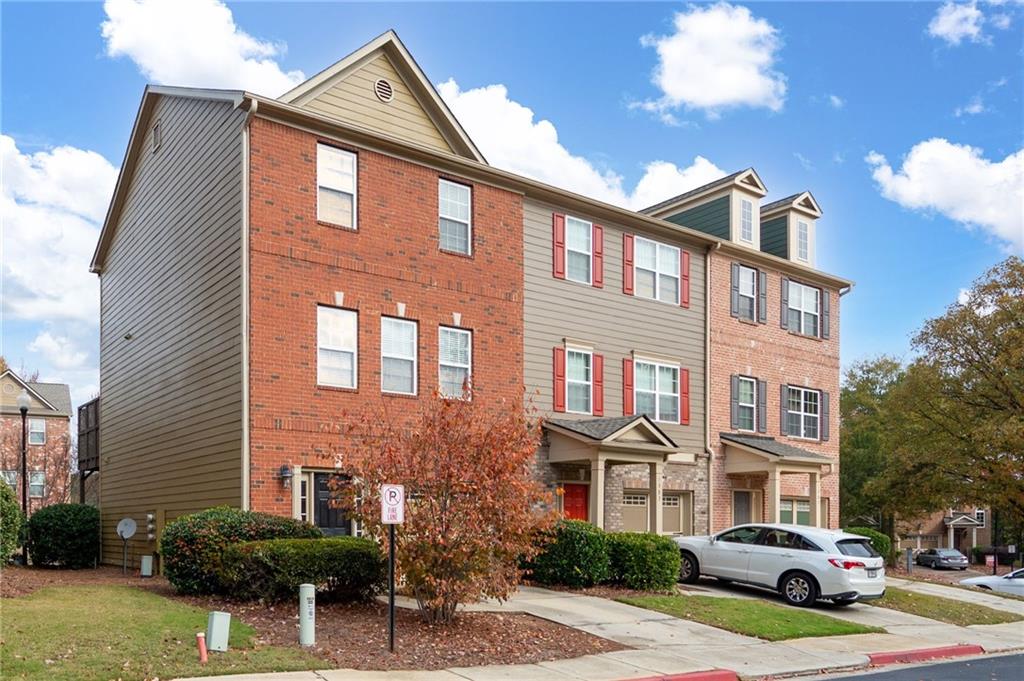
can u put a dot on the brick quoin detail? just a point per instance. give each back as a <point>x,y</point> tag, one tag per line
<point>296,263</point>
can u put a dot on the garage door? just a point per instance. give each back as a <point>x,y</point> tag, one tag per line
<point>677,512</point>
<point>634,512</point>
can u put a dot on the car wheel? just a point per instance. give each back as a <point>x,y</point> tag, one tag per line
<point>799,589</point>
<point>962,569</point>
<point>689,570</point>
<point>843,602</point>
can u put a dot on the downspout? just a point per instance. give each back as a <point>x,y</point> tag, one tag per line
<point>707,380</point>
<point>245,300</point>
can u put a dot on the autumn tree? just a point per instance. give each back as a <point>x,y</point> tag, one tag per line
<point>474,508</point>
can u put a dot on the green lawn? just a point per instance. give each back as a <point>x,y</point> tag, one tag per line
<point>79,633</point>
<point>943,609</point>
<point>750,617</point>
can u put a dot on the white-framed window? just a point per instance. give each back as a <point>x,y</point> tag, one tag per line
<point>634,499</point>
<point>802,243</point>
<point>803,413</point>
<point>398,340</point>
<point>747,220</point>
<point>336,186</point>
<point>578,249</point>
<point>794,512</point>
<point>337,347</point>
<point>746,404</point>
<point>804,306</point>
<point>656,390</point>
<point>656,271</point>
<point>979,515</point>
<point>37,484</point>
<point>748,293</point>
<point>455,360</point>
<point>37,431</point>
<point>579,380</point>
<point>11,478</point>
<point>454,204</point>
<point>304,485</point>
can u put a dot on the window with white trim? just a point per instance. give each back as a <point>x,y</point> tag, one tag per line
<point>454,203</point>
<point>398,356</point>
<point>746,404</point>
<point>794,512</point>
<point>579,380</point>
<point>37,431</point>
<point>336,186</point>
<point>803,413</point>
<point>979,515</point>
<point>337,347</point>
<point>455,361</point>
<point>656,390</point>
<point>578,249</point>
<point>748,293</point>
<point>747,220</point>
<point>802,243</point>
<point>656,271</point>
<point>804,309</point>
<point>11,478</point>
<point>37,484</point>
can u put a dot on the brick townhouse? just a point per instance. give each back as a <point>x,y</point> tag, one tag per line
<point>346,244</point>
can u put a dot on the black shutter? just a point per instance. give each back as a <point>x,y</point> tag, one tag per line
<point>784,297</point>
<point>783,409</point>
<point>762,407</point>
<point>734,402</point>
<point>824,416</point>
<point>762,296</point>
<point>734,295</point>
<point>826,313</point>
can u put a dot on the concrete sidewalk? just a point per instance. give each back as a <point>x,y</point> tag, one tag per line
<point>957,594</point>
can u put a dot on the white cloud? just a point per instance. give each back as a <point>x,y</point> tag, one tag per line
<point>510,138</point>
<point>972,108</point>
<point>1001,21</point>
<point>60,351</point>
<point>955,180</point>
<point>719,57</point>
<point>836,101</point>
<point>805,162</point>
<point>194,43</point>
<point>955,22</point>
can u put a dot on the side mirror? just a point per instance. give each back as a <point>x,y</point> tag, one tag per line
<point>712,539</point>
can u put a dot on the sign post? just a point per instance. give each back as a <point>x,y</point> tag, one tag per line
<point>990,561</point>
<point>392,512</point>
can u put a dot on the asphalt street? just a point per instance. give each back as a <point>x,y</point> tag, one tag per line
<point>991,668</point>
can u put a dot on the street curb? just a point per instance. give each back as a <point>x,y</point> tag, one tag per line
<point>923,654</point>
<point>709,675</point>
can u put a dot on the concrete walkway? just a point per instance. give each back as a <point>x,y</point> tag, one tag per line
<point>957,594</point>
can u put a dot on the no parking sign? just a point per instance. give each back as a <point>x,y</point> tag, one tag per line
<point>392,504</point>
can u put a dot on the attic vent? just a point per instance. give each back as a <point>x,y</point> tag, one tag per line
<point>384,91</point>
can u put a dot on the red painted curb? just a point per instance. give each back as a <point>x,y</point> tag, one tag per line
<point>924,654</point>
<point>709,675</point>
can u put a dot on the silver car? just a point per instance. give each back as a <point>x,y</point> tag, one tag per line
<point>942,558</point>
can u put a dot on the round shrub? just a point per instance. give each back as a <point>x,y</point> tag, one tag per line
<point>342,568</point>
<point>191,546</point>
<point>576,556</point>
<point>65,535</point>
<point>879,541</point>
<point>10,523</point>
<point>643,561</point>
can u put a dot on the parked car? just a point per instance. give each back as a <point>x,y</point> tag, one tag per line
<point>942,558</point>
<point>1012,583</point>
<point>802,563</point>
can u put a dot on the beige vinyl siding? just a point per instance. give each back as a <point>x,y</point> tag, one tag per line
<point>615,323</point>
<point>352,100</point>
<point>171,407</point>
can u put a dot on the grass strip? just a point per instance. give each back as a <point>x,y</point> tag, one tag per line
<point>942,609</point>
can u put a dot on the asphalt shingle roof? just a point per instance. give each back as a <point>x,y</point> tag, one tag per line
<point>772,446</point>
<point>57,394</point>
<point>781,202</point>
<point>710,185</point>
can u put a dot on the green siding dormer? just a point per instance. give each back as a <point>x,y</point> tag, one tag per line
<point>775,236</point>
<point>711,218</point>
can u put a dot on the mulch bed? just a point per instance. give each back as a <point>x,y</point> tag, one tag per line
<point>356,635</point>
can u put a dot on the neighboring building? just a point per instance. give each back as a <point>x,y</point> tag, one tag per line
<point>48,439</point>
<point>268,266</point>
<point>950,528</point>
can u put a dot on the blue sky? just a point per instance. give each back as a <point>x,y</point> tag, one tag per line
<point>903,119</point>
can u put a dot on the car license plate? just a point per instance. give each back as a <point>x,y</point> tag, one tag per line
<point>873,572</point>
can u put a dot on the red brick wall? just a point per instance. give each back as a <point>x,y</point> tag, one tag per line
<point>772,354</point>
<point>53,457</point>
<point>296,263</point>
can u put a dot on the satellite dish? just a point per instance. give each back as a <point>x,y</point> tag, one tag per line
<point>126,528</point>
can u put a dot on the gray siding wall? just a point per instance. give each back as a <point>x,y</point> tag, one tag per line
<point>171,413</point>
<point>775,236</point>
<point>711,217</point>
<point>615,324</point>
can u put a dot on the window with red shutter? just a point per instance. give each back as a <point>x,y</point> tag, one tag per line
<point>627,264</point>
<point>598,248</point>
<point>627,387</point>
<point>558,384</point>
<point>684,397</point>
<point>598,385</point>
<point>558,245</point>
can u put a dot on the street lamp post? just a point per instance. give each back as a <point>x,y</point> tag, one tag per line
<point>23,403</point>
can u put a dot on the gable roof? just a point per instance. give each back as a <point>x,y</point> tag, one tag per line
<point>422,89</point>
<point>55,396</point>
<point>747,179</point>
<point>772,447</point>
<point>610,428</point>
<point>804,202</point>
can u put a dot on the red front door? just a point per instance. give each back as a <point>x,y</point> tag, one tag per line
<point>574,502</point>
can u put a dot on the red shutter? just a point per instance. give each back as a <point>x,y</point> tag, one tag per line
<point>598,249</point>
<point>598,385</point>
<point>558,245</point>
<point>684,397</point>
<point>558,386</point>
<point>684,282</point>
<point>627,387</point>
<point>627,264</point>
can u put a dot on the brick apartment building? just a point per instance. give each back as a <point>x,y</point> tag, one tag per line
<point>347,244</point>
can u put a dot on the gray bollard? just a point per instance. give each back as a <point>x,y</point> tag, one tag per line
<point>307,614</point>
<point>910,560</point>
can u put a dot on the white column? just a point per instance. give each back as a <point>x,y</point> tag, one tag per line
<point>654,524</point>
<point>597,492</point>
<point>974,537</point>
<point>814,491</point>
<point>949,539</point>
<point>773,493</point>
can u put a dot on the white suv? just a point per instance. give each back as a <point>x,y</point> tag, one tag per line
<point>801,563</point>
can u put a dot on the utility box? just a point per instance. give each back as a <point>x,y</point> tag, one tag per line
<point>218,625</point>
<point>146,566</point>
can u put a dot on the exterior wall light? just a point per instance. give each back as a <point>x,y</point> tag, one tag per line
<point>286,476</point>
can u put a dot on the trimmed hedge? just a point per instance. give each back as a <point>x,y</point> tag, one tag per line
<point>576,556</point>
<point>646,562</point>
<point>342,568</point>
<point>192,546</point>
<point>65,535</point>
<point>880,541</point>
<point>11,520</point>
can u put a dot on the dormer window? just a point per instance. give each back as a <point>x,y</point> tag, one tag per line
<point>747,221</point>
<point>802,244</point>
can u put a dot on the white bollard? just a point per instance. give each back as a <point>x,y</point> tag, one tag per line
<point>307,614</point>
